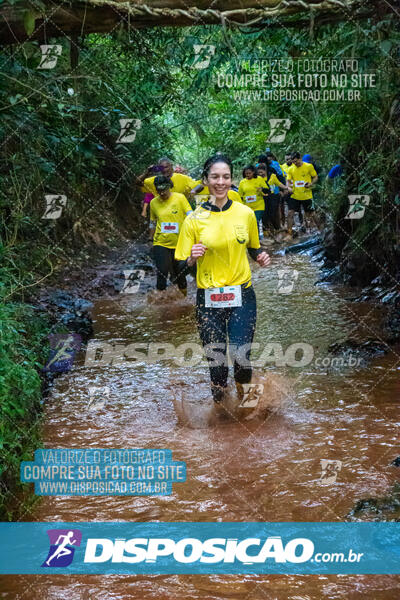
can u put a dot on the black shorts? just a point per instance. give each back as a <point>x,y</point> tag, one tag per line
<point>297,204</point>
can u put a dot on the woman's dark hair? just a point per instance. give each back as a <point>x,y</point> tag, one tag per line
<point>213,160</point>
<point>250,168</point>
<point>162,182</point>
<point>271,171</point>
<point>262,166</point>
<point>295,155</point>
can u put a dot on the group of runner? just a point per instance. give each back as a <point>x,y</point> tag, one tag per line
<point>208,227</point>
<point>267,187</point>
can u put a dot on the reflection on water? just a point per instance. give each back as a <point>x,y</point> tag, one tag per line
<point>264,469</point>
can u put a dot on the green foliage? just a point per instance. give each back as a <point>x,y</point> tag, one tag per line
<point>29,21</point>
<point>22,353</point>
<point>61,125</point>
<point>361,135</point>
<point>59,131</point>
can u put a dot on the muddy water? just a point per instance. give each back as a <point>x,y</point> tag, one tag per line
<point>265,469</point>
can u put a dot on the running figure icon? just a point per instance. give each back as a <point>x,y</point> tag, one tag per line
<point>62,550</point>
<point>61,553</point>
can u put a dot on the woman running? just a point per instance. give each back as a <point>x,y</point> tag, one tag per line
<point>168,211</point>
<point>250,192</point>
<point>216,237</point>
<point>271,216</point>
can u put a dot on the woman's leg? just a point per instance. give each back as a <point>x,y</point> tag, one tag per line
<point>275,211</point>
<point>179,272</point>
<point>259,217</point>
<point>241,328</point>
<point>267,220</point>
<point>162,259</point>
<point>282,208</point>
<point>211,323</point>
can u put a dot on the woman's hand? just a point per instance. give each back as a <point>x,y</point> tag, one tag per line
<point>263,259</point>
<point>198,250</point>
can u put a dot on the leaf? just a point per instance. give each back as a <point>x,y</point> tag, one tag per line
<point>386,46</point>
<point>40,4</point>
<point>29,21</point>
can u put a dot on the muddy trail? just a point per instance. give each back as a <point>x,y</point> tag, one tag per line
<point>264,469</point>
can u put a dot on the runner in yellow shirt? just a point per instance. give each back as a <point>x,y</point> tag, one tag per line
<point>180,183</point>
<point>287,163</point>
<point>168,211</point>
<point>251,194</point>
<point>301,176</point>
<point>216,237</point>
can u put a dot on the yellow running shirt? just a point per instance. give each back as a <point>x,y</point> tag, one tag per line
<point>181,184</point>
<point>169,215</point>
<point>273,180</point>
<point>285,168</point>
<point>249,194</point>
<point>204,191</point>
<point>299,176</point>
<point>235,196</point>
<point>226,233</point>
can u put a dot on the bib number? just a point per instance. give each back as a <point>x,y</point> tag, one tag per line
<point>169,227</point>
<point>299,184</point>
<point>251,198</point>
<point>224,297</point>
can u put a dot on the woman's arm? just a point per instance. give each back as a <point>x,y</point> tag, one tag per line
<point>260,256</point>
<point>198,250</point>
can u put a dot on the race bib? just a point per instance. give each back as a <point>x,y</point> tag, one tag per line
<point>169,227</point>
<point>251,198</point>
<point>299,183</point>
<point>223,297</point>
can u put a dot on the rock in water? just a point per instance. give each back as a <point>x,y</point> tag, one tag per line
<point>365,350</point>
<point>304,246</point>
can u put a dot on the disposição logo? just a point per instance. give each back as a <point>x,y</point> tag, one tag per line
<point>61,551</point>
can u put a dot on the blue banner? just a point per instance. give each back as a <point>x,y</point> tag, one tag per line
<point>103,472</point>
<point>196,548</point>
